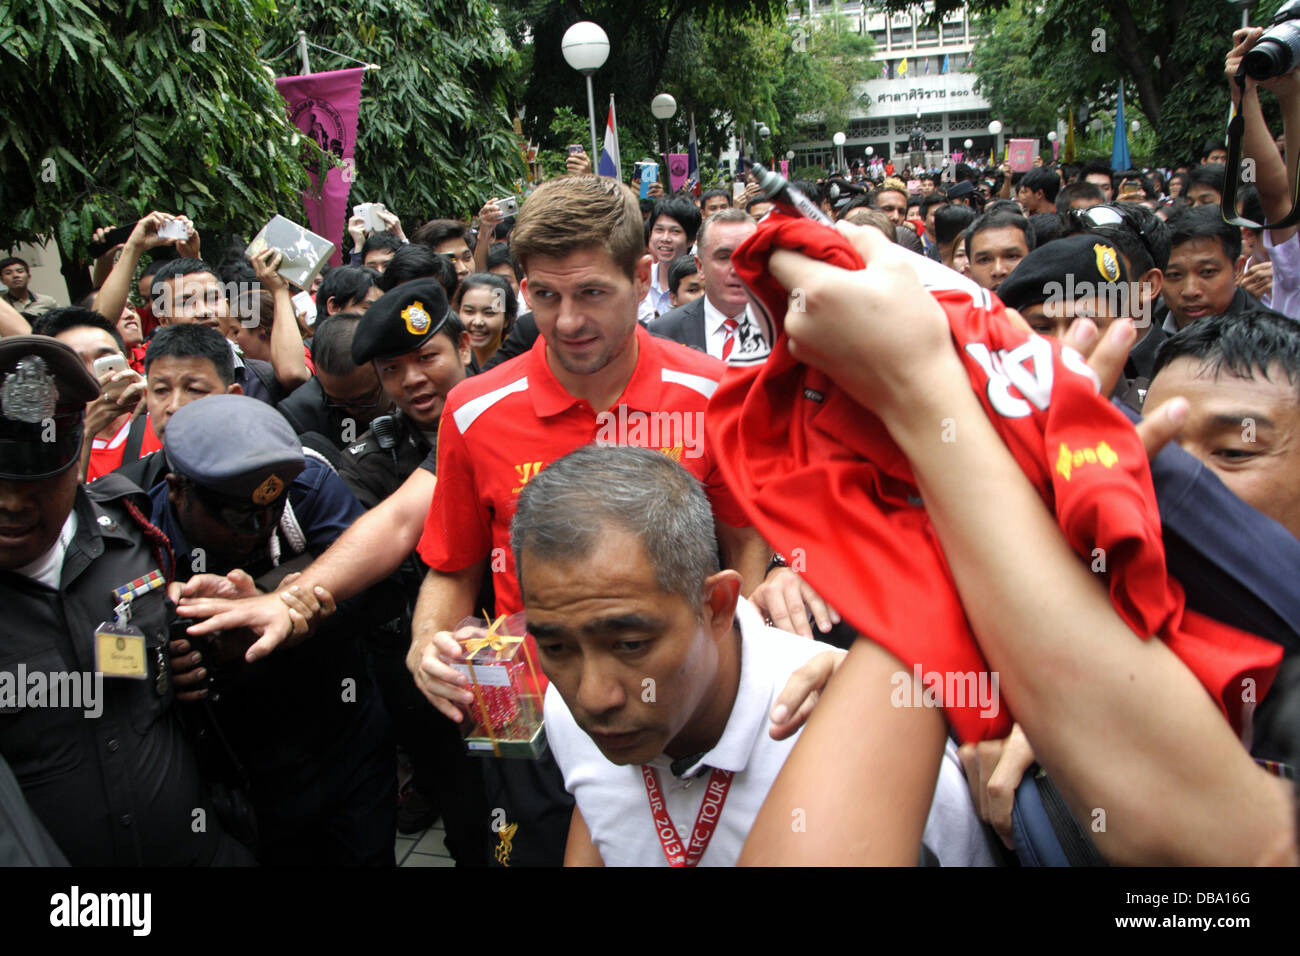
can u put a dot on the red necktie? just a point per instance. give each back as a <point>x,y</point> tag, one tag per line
<point>729,326</point>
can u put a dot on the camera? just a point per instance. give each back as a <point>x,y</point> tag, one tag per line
<point>510,205</point>
<point>1277,52</point>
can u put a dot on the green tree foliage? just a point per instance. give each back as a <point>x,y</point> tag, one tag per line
<point>113,109</point>
<point>733,64</point>
<point>434,137</point>
<point>1043,57</point>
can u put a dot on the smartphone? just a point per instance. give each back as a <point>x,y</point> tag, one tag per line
<point>114,364</point>
<point>114,237</point>
<point>574,148</point>
<point>508,206</point>
<point>173,229</point>
<point>109,363</point>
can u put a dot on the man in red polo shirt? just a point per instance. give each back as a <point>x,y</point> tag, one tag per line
<point>581,243</point>
<point>593,375</point>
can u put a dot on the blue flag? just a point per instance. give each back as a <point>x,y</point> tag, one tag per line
<point>1119,157</point>
<point>945,64</point>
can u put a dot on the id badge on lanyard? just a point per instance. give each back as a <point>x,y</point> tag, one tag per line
<point>120,647</point>
<point>706,821</point>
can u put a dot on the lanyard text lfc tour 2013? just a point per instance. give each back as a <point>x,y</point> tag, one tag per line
<point>715,795</point>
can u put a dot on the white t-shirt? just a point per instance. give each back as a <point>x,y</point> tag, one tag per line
<point>1285,296</point>
<point>48,568</point>
<point>613,801</point>
<point>658,300</point>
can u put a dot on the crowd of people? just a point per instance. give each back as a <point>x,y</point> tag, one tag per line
<point>963,533</point>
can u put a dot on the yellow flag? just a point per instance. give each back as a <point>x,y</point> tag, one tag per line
<point>1069,138</point>
<point>902,67</point>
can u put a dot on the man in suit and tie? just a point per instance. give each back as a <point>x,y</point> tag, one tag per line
<point>718,322</point>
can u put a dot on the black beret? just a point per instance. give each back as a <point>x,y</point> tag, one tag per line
<point>43,383</point>
<point>400,321</point>
<point>1070,268</point>
<point>236,446</point>
<point>958,190</point>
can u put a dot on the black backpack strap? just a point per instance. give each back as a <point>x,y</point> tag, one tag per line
<point>135,438</point>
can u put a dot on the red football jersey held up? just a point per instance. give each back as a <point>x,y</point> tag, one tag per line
<point>817,472</point>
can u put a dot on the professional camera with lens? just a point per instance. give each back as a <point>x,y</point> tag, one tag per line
<point>1277,52</point>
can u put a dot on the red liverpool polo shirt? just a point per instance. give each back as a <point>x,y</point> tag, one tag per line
<point>819,472</point>
<point>501,428</point>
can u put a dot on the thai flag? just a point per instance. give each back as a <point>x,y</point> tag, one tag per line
<point>609,161</point>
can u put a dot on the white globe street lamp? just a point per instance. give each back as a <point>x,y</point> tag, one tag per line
<point>1135,125</point>
<point>1051,137</point>
<point>586,48</point>
<point>995,127</point>
<point>969,143</point>
<point>663,107</point>
<point>839,139</point>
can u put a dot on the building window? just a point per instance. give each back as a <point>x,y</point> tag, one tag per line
<point>901,36</point>
<point>953,32</point>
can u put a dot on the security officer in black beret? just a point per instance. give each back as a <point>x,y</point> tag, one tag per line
<point>1080,276</point>
<point>306,723</point>
<point>420,351</point>
<point>88,721</point>
<point>1069,278</point>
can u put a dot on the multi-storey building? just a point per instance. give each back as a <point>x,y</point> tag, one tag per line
<point>920,75</point>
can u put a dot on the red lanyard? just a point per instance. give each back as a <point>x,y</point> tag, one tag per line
<point>715,795</point>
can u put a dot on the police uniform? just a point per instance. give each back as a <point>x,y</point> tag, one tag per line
<point>121,787</point>
<point>400,322</point>
<point>374,472</point>
<point>305,721</point>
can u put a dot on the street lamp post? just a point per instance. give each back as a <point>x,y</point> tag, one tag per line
<point>586,48</point>
<point>995,130</point>
<point>839,140</point>
<point>663,107</point>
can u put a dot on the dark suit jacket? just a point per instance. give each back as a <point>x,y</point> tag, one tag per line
<point>684,324</point>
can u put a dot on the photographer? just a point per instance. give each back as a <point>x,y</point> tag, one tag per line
<point>1275,183</point>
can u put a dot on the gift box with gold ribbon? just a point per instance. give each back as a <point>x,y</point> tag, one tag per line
<point>505,717</point>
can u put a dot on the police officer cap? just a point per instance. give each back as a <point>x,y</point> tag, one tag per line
<point>44,388</point>
<point>1075,267</point>
<point>960,190</point>
<point>236,446</point>
<point>400,321</point>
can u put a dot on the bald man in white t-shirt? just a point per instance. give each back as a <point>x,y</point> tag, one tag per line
<point>662,676</point>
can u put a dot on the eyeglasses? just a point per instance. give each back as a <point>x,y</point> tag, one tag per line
<point>371,399</point>
<point>243,516</point>
<point>1110,215</point>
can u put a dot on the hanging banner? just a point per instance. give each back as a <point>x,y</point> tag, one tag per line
<point>1021,153</point>
<point>324,107</point>
<point>785,168</point>
<point>679,170</point>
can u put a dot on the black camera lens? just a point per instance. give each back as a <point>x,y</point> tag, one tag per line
<point>1276,53</point>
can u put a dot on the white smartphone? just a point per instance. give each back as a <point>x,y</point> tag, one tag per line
<point>173,229</point>
<point>109,363</point>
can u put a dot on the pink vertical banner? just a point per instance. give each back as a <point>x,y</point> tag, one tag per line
<point>956,157</point>
<point>785,168</point>
<point>325,106</point>
<point>679,170</point>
